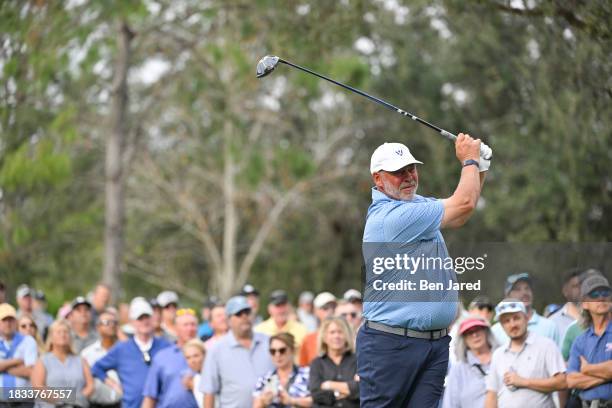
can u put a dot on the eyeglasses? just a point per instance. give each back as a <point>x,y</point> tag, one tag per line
<point>353,315</point>
<point>185,311</point>
<point>600,293</point>
<point>280,351</point>
<point>147,357</point>
<point>107,322</point>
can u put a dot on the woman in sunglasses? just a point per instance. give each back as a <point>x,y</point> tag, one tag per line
<point>61,367</point>
<point>474,347</point>
<point>333,375</point>
<point>27,327</point>
<point>287,384</point>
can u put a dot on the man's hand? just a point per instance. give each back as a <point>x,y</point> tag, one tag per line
<point>485,157</point>
<point>512,378</point>
<point>467,148</point>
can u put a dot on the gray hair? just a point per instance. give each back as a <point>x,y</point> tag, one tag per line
<point>461,348</point>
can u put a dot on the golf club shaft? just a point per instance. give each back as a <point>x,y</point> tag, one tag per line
<point>443,132</point>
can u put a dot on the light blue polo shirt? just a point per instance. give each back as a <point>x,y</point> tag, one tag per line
<point>596,349</point>
<point>411,227</point>
<point>165,380</point>
<point>21,347</point>
<point>231,371</point>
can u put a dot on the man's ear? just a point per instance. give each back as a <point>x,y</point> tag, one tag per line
<point>377,178</point>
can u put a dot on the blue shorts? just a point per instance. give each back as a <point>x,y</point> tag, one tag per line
<point>396,371</point>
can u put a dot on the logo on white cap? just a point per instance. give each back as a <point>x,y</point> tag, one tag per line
<point>391,157</point>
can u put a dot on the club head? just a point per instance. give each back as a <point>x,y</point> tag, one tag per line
<point>266,65</point>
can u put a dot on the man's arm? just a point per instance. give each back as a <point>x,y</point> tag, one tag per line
<point>459,207</point>
<point>209,400</point>
<point>148,402</point>
<point>599,370</point>
<point>9,363</point>
<point>555,383</point>
<point>491,399</point>
<point>582,381</point>
<point>21,371</point>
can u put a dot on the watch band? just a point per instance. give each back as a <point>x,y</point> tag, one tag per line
<point>469,162</point>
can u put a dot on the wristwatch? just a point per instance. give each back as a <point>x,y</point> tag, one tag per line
<point>469,162</point>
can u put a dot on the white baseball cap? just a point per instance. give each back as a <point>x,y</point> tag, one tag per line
<point>324,298</point>
<point>139,307</point>
<point>391,157</point>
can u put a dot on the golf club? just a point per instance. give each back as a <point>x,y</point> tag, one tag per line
<point>268,63</point>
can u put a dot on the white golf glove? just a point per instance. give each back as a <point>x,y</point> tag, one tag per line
<point>485,157</point>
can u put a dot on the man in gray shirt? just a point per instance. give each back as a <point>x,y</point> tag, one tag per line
<point>526,371</point>
<point>236,361</point>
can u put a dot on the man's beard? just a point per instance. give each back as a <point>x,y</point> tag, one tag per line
<point>397,192</point>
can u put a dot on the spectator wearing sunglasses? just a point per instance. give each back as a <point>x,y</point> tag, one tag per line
<point>520,286</point>
<point>324,307</point>
<point>27,326</point>
<point>104,395</point>
<point>233,364</point>
<point>165,387</point>
<point>527,370</point>
<point>474,346</point>
<point>333,378</point>
<point>132,358</point>
<point>590,362</point>
<point>286,385</point>
<point>351,313</point>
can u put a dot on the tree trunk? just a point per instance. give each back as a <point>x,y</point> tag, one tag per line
<point>115,146</point>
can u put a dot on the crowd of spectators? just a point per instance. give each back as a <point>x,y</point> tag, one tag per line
<point>158,353</point>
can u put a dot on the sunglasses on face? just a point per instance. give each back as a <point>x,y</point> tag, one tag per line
<point>353,315</point>
<point>600,293</point>
<point>280,351</point>
<point>245,312</point>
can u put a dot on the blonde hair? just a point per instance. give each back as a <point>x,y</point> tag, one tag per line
<point>56,324</point>
<point>346,329</point>
<point>39,343</point>
<point>195,343</point>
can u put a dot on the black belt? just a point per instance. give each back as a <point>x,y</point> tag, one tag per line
<point>403,331</point>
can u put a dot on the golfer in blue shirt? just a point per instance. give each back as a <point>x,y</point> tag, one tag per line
<point>402,347</point>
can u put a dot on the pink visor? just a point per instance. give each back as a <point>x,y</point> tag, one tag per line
<point>467,324</point>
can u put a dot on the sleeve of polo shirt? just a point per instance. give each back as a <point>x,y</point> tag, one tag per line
<point>108,362</point>
<point>491,380</point>
<point>573,364</point>
<point>411,221</point>
<point>554,360</point>
<point>28,351</point>
<point>153,382</point>
<point>210,374</point>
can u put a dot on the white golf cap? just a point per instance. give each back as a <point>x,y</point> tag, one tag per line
<point>140,307</point>
<point>167,297</point>
<point>324,298</point>
<point>391,157</point>
<point>509,306</point>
